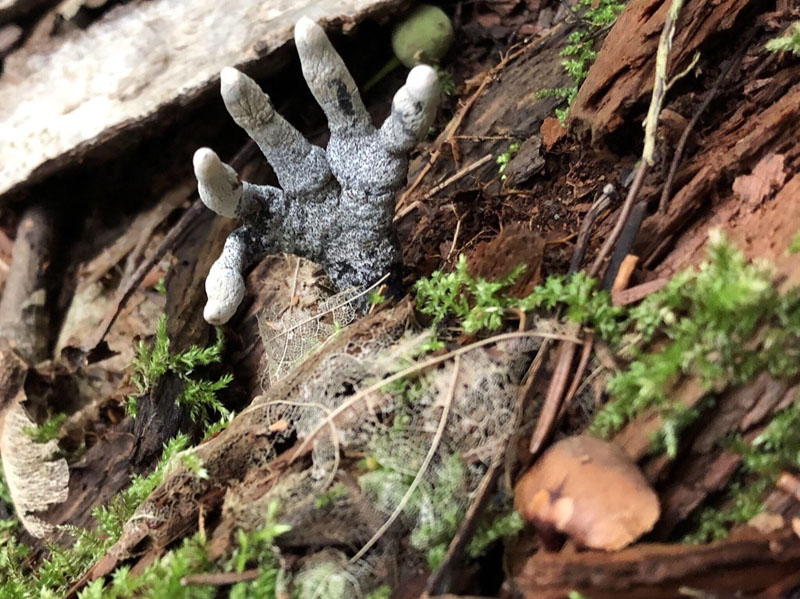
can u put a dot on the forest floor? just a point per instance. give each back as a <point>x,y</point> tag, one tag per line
<point>690,379</point>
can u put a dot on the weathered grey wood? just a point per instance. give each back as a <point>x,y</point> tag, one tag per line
<point>140,62</point>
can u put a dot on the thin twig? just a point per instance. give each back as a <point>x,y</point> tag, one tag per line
<point>555,392</point>
<point>448,401</point>
<point>583,362</point>
<point>456,121</point>
<point>676,158</point>
<point>651,122</point>
<point>460,174</point>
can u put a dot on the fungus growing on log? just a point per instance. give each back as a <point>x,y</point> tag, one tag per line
<point>336,205</point>
<point>589,490</point>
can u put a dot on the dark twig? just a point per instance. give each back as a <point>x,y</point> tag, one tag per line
<point>627,207</point>
<point>624,244</point>
<point>651,122</point>
<point>439,578</point>
<point>676,158</point>
<point>600,204</point>
<point>24,318</point>
<point>548,417</point>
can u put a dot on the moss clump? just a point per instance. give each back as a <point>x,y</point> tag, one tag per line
<point>579,54</point>
<point>790,42</point>
<point>478,304</point>
<point>198,395</point>
<point>722,323</point>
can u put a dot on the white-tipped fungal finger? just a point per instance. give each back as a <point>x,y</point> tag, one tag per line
<point>225,291</point>
<point>297,164</point>
<point>413,110</point>
<point>217,183</point>
<point>329,80</point>
<point>249,106</point>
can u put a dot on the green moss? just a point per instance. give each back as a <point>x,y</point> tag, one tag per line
<point>722,323</point>
<point>790,42</point>
<point>163,579</point>
<point>337,491</point>
<point>433,507</point>
<point>504,158</point>
<point>713,524</point>
<point>113,516</point>
<point>579,53</point>
<point>382,592</point>
<point>478,304</point>
<point>501,526</point>
<point>48,430</point>
<point>794,245</point>
<point>198,395</point>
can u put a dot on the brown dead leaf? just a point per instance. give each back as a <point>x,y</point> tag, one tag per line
<point>588,489</point>
<point>552,131</point>
<point>767,175</point>
<point>515,245</point>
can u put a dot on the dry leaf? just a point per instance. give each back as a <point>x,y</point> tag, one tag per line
<point>766,176</point>
<point>589,490</point>
<point>552,131</point>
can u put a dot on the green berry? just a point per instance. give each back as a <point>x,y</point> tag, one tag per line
<point>424,36</point>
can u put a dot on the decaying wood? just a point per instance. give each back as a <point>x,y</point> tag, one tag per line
<point>496,114</point>
<point>171,61</point>
<point>24,315</point>
<point>621,77</point>
<point>748,562</point>
<point>740,142</point>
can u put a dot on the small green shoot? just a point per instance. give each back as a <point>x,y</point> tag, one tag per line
<point>505,158</point>
<point>376,298</point>
<point>47,431</point>
<point>154,361</point>
<point>794,245</point>
<point>790,42</point>
<point>446,82</point>
<point>580,50</point>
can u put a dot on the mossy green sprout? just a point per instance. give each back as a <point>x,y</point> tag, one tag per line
<point>505,158</point>
<point>478,304</point>
<point>789,42</point>
<point>794,245</point>
<point>112,516</point>
<point>580,50</point>
<point>722,323</point>
<point>154,361</point>
<point>47,431</point>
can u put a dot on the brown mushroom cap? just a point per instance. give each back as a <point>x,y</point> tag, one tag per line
<point>588,489</point>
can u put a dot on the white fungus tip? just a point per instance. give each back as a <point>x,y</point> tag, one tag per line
<point>307,31</point>
<point>422,82</point>
<point>229,76</point>
<point>205,159</point>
